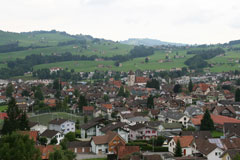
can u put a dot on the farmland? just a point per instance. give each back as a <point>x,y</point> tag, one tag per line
<point>103,48</point>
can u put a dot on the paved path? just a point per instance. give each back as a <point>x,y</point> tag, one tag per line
<point>89,156</point>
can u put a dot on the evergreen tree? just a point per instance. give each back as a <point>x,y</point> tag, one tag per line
<point>121,92</point>
<point>178,150</point>
<point>85,119</point>
<point>190,86</point>
<point>153,84</point>
<point>11,123</point>
<point>82,102</point>
<point>43,140</point>
<point>9,90</point>
<point>57,84</point>
<point>177,88</point>
<point>150,102</point>
<point>237,95</point>
<point>24,122</point>
<point>207,122</point>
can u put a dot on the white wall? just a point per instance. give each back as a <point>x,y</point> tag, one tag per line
<point>215,154</point>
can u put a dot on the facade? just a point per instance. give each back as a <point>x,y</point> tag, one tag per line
<point>51,134</point>
<point>62,125</point>
<point>141,131</point>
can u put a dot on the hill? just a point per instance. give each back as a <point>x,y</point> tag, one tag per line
<point>149,42</point>
<point>87,53</point>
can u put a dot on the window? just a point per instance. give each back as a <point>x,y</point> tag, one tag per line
<point>153,131</point>
<point>216,153</point>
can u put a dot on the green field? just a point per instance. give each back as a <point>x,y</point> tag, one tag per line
<point>216,134</point>
<point>45,118</point>
<point>104,48</point>
<point>3,108</point>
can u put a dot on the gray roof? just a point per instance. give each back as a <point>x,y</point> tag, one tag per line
<point>172,125</point>
<point>193,109</point>
<point>175,115</point>
<point>49,133</point>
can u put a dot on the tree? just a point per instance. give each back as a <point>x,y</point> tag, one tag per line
<point>57,84</point>
<point>207,122</point>
<point>23,122</point>
<point>11,123</point>
<point>150,102</point>
<point>178,150</point>
<point>177,88</point>
<point>238,82</point>
<point>9,90</point>
<point>237,95</point>
<point>237,157</point>
<point>16,146</point>
<point>190,86</point>
<point>70,136</point>
<point>76,93</point>
<point>153,84</point>
<point>38,94</point>
<point>77,124</point>
<point>85,119</point>
<point>25,93</point>
<point>43,140</point>
<point>121,92</point>
<point>54,141</point>
<point>60,154</point>
<point>82,102</point>
<point>114,115</point>
<point>146,60</point>
<point>106,98</point>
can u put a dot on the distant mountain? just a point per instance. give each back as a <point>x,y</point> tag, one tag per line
<point>149,42</point>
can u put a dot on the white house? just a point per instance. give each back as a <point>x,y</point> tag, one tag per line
<point>187,144</point>
<point>34,126</point>
<point>51,134</point>
<point>62,125</point>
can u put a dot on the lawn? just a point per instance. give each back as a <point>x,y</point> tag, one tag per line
<point>216,134</point>
<point>3,108</point>
<point>45,118</point>
<point>96,159</point>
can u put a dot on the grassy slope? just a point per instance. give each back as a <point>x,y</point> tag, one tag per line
<point>103,48</point>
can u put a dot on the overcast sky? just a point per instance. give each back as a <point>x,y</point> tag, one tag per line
<point>185,21</point>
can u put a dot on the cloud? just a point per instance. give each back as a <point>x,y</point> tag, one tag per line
<point>186,21</point>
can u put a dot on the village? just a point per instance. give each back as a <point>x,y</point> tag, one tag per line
<point>136,116</point>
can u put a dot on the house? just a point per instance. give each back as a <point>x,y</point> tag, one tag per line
<point>79,147</point>
<point>88,110</point>
<point>197,134</point>
<point>224,111</point>
<point>231,130</point>
<point>92,128</point>
<point>62,125</point>
<point>106,143</point>
<point>192,111</point>
<point>201,89</point>
<point>230,154</point>
<point>34,126</point>
<point>142,131</point>
<point>217,120</point>
<point>208,150</point>
<point>51,102</point>
<point>118,127</point>
<point>51,134</point>
<point>170,127</point>
<point>46,150</point>
<point>187,144</point>
<point>172,117</point>
<point>122,151</point>
<point>3,115</point>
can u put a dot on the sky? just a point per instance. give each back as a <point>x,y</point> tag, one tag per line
<point>182,21</point>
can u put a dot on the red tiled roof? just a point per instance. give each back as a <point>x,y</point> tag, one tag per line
<point>108,106</point>
<point>217,119</point>
<point>32,134</point>
<point>3,115</point>
<point>88,108</point>
<point>202,86</point>
<point>117,83</point>
<point>141,80</point>
<point>185,141</point>
<point>126,150</point>
<point>46,150</point>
